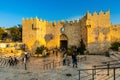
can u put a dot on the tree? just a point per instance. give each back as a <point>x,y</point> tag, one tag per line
<point>82,47</point>
<point>4,36</point>
<point>115,46</point>
<point>16,33</point>
<point>1,32</point>
<point>40,50</point>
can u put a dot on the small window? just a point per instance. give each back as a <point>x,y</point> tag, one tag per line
<point>32,26</point>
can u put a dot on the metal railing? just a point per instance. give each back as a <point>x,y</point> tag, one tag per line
<point>4,62</point>
<point>112,61</point>
<point>93,72</point>
<point>106,67</point>
<point>54,64</point>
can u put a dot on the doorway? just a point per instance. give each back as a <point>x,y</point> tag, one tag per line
<point>63,42</point>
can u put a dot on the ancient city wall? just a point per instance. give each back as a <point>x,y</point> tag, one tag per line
<point>73,33</point>
<point>33,33</point>
<point>83,29</point>
<point>115,33</point>
<point>95,30</point>
<point>53,33</point>
<point>98,31</point>
<point>28,34</point>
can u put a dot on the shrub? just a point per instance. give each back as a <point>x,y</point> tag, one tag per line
<point>41,50</point>
<point>69,51</point>
<point>82,47</point>
<point>115,45</point>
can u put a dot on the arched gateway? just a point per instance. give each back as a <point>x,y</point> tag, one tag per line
<point>63,41</point>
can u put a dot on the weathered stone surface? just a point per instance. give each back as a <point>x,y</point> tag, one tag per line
<point>95,29</point>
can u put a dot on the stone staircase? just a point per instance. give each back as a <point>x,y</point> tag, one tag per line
<point>38,66</point>
<point>100,75</point>
<point>4,62</point>
<point>115,55</point>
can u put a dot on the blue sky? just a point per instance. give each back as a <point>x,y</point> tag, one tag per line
<point>12,11</point>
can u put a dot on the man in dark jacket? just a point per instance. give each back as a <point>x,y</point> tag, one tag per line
<point>74,59</point>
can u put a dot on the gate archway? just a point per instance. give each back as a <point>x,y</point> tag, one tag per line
<point>63,41</point>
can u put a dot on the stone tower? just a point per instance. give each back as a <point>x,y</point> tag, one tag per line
<point>98,31</point>
<point>33,33</point>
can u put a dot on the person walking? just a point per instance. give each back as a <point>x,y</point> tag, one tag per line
<point>74,59</point>
<point>64,58</point>
<point>15,61</point>
<point>10,61</point>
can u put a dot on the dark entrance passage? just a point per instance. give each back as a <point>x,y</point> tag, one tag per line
<point>63,44</point>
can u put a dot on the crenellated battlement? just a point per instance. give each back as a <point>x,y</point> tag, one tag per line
<point>101,13</point>
<point>50,23</point>
<point>98,19</point>
<point>62,22</point>
<point>36,19</point>
<point>73,22</point>
<point>54,24</point>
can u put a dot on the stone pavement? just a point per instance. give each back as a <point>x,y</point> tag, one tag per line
<point>35,70</point>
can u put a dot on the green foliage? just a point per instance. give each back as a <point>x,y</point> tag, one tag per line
<point>41,50</point>
<point>73,48</point>
<point>1,32</point>
<point>4,36</point>
<point>69,51</point>
<point>82,47</point>
<point>115,45</point>
<point>16,33</point>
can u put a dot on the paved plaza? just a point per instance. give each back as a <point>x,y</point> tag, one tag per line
<point>37,71</point>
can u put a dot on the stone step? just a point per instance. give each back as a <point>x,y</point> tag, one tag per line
<point>117,56</point>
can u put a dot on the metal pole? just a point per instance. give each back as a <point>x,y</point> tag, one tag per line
<point>79,74</point>
<point>25,66</point>
<point>95,69</point>
<point>93,74</point>
<point>53,64</point>
<point>49,65</point>
<point>44,66</point>
<point>114,73</point>
<point>108,65</point>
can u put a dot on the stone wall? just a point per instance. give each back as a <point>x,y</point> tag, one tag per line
<point>83,29</point>
<point>72,31</point>
<point>28,34</point>
<point>98,32</point>
<point>115,33</point>
<point>95,30</point>
<point>33,32</point>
